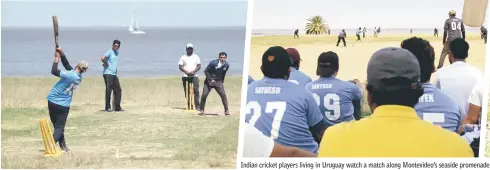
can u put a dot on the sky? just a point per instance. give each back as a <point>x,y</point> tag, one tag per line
<point>149,13</point>
<point>292,14</point>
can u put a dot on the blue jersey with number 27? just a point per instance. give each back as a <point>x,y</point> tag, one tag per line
<point>283,111</point>
<point>334,98</point>
<point>62,92</point>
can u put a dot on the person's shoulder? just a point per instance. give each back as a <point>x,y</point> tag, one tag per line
<point>195,55</point>
<point>456,140</point>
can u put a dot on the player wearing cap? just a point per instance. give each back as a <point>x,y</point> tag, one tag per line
<point>282,110</point>
<point>434,105</point>
<point>296,76</point>
<point>394,129</point>
<point>453,28</point>
<point>60,97</point>
<point>459,78</point>
<point>110,60</point>
<point>334,97</point>
<point>189,64</point>
<point>341,37</point>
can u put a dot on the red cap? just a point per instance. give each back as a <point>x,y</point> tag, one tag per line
<point>293,54</point>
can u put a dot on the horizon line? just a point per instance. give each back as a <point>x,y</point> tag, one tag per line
<point>123,26</point>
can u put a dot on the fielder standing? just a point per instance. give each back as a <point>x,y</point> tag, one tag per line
<point>60,97</point>
<point>484,33</point>
<point>453,28</point>
<point>110,60</point>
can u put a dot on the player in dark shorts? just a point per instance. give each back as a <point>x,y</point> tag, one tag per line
<point>436,32</point>
<point>358,34</point>
<point>342,36</point>
<point>453,28</point>
<point>484,33</point>
<point>296,33</point>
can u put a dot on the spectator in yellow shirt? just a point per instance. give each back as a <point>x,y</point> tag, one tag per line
<point>394,129</point>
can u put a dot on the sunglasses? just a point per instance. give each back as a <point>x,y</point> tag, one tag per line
<point>117,45</point>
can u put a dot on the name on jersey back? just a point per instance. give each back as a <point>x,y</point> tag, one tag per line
<point>321,86</point>
<point>267,90</point>
<point>426,98</point>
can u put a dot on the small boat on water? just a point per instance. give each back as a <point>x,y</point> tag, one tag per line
<point>134,27</point>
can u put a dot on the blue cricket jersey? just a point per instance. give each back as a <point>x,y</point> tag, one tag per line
<point>113,59</point>
<point>334,97</point>
<point>438,108</point>
<point>62,92</point>
<point>298,77</point>
<point>283,111</point>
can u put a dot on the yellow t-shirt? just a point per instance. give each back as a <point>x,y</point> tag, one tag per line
<point>392,131</point>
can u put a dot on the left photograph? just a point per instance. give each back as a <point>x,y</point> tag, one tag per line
<point>130,84</point>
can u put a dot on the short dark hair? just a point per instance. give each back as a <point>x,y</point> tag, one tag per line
<point>116,42</point>
<point>425,55</point>
<point>222,53</point>
<point>459,47</point>
<point>404,97</point>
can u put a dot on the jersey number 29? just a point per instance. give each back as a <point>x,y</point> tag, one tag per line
<point>331,103</point>
<point>278,106</point>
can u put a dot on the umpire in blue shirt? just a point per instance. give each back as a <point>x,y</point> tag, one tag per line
<point>215,77</point>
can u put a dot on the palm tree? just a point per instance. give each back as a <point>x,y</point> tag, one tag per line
<point>316,25</point>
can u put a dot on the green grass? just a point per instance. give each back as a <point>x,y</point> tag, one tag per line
<point>154,132</point>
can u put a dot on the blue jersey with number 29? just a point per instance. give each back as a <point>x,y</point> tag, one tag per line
<point>62,92</point>
<point>334,98</point>
<point>283,111</point>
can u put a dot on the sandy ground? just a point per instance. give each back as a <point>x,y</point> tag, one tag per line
<point>354,57</point>
<point>154,131</point>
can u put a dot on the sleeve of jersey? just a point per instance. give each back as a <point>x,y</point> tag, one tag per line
<point>256,144</point>
<point>357,92</point>
<point>107,54</point>
<point>64,74</point>
<point>313,115</point>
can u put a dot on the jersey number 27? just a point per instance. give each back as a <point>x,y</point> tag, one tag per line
<point>278,106</point>
<point>331,103</point>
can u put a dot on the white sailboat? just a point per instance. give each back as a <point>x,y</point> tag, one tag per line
<point>133,26</point>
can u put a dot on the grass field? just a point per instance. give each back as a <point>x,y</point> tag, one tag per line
<point>154,132</point>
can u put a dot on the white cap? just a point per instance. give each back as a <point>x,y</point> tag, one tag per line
<point>189,46</point>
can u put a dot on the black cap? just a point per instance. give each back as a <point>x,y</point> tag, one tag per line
<point>275,62</point>
<point>393,68</point>
<point>328,63</point>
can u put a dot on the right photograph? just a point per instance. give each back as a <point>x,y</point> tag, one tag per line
<point>365,79</point>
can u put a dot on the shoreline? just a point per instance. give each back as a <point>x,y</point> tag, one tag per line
<point>91,77</point>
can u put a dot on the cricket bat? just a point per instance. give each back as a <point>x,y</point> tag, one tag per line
<point>55,28</point>
<point>474,12</point>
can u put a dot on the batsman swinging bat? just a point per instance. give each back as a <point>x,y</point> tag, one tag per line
<point>55,28</point>
<point>474,12</point>
<point>47,135</point>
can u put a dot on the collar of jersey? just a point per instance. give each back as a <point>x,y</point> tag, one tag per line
<point>459,63</point>
<point>293,69</point>
<point>395,111</point>
<point>267,79</point>
<point>429,85</point>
